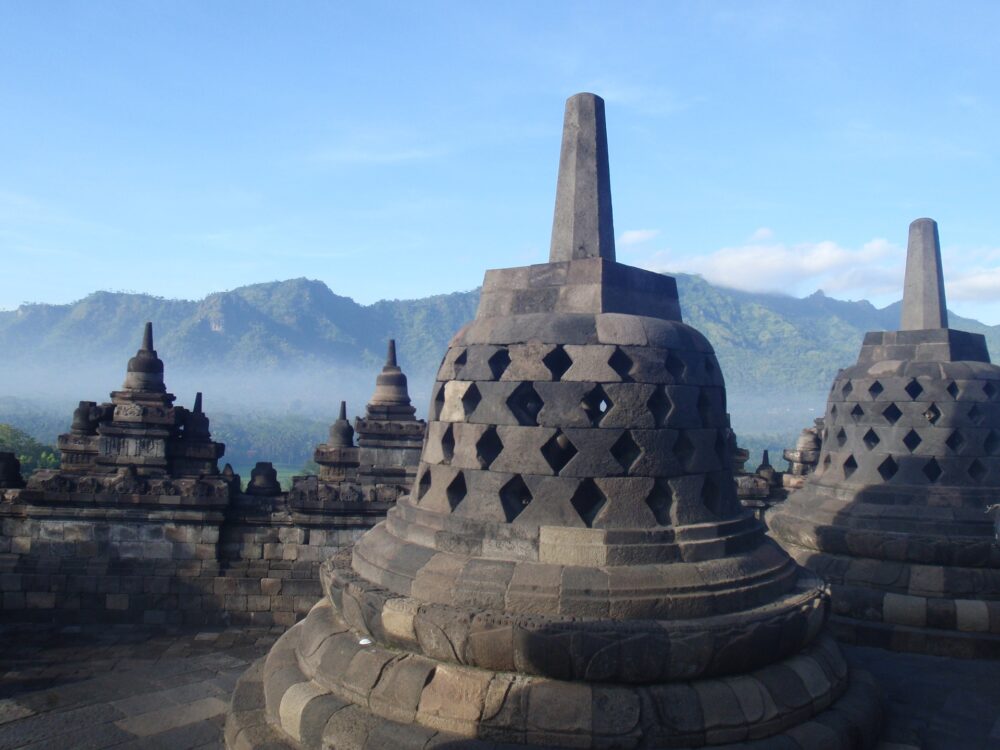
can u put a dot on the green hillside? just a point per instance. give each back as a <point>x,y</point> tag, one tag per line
<point>778,353</point>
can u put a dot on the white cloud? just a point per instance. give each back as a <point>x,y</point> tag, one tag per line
<point>761,234</point>
<point>874,270</point>
<point>980,284</point>
<point>637,236</point>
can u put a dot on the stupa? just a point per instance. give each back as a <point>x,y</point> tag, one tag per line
<point>895,514</point>
<point>140,437</point>
<point>389,434</point>
<point>572,567</point>
<point>338,457</point>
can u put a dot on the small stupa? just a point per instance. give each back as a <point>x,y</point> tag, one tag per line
<point>572,567</point>
<point>895,514</point>
<point>389,434</point>
<point>338,456</point>
<point>140,433</point>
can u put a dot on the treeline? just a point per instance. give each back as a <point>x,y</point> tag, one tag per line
<point>32,454</point>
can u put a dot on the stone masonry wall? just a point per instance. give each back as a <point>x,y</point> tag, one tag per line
<point>91,562</point>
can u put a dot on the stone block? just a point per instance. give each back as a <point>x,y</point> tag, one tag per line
<point>453,700</point>
<point>572,546</point>
<point>626,330</point>
<point>626,506</point>
<point>585,592</point>
<point>590,363</point>
<point>972,616</point>
<point>397,620</point>
<point>534,588</point>
<point>397,694</point>
<point>526,362</point>
<point>560,709</point>
<point>629,405</point>
<point>39,599</point>
<point>522,451</point>
<point>562,403</point>
<point>900,609</point>
<point>20,545</point>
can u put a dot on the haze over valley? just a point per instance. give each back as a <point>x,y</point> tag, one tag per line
<point>274,360</point>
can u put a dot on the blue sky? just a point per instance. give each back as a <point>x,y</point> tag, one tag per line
<point>400,149</point>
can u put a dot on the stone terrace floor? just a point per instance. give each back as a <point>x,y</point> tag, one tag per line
<point>143,687</point>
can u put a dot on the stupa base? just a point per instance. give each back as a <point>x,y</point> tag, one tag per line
<point>321,686</point>
<point>917,640</point>
<point>879,603</point>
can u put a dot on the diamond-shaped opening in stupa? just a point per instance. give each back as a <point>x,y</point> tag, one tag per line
<point>626,450</point>
<point>659,406</point>
<point>596,404</point>
<point>659,501</point>
<point>871,439</point>
<point>488,447</point>
<point>498,363</point>
<point>887,469</point>
<point>558,451</point>
<point>588,500</point>
<point>525,404</point>
<point>621,363</point>
<point>456,490</point>
<point>514,498</point>
<point>557,362</point>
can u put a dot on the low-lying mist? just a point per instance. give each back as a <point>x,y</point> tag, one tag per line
<point>280,415</point>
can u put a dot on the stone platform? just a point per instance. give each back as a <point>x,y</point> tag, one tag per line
<point>136,686</point>
<point>130,687</point>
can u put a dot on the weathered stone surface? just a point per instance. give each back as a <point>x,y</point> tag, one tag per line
<point>583,226</point>
<point>573,568</point>
<point>924,304</point>
<point>894,514</point>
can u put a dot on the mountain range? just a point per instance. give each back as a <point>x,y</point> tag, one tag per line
<point>766,343</point>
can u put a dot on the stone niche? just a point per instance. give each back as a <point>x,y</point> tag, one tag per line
<point>572,567</point>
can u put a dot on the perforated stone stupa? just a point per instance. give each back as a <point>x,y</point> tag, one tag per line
<point>895,515</point>
<point>572,567</point>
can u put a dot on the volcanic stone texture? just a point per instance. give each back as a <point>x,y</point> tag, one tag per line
<point>895,515</point>
<point>571,567</point>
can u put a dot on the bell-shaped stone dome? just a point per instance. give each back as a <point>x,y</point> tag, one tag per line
<point>895,514</point>
<point>391,394</point>
<point>341,432</point>
<point>145,369</point>
<point>572,567</point>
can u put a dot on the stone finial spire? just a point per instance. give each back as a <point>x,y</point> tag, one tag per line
<point>147,338</point>
<point>343,411</point>
<point>197,403</point>
<point>390,357</point>
<point>582,226</point>
<point>923,290</point>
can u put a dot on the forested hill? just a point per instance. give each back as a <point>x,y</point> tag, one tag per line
<point>765,342</point>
